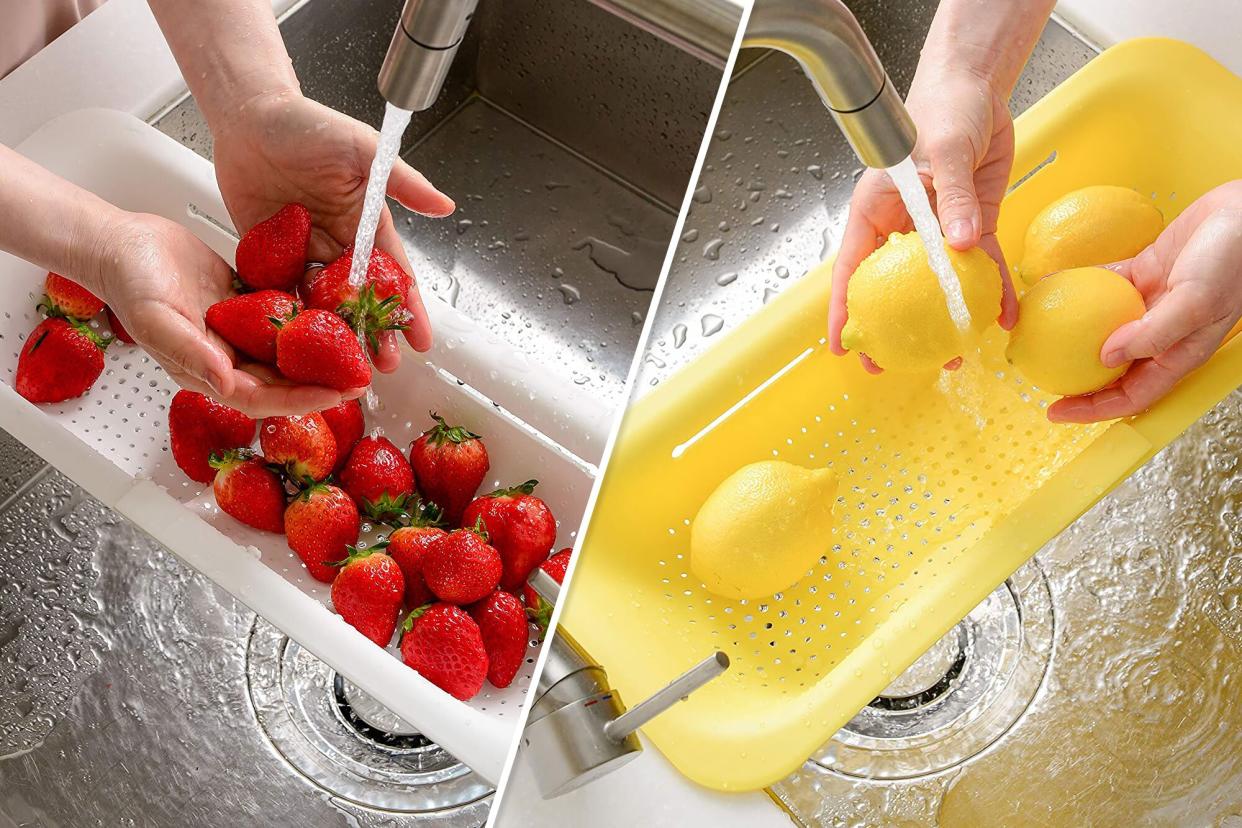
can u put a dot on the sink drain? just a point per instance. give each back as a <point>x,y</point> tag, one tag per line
<point>345,742</point>
<point>961,696</point>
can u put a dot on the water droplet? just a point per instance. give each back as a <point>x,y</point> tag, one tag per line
<point>703,195</point>
<point>711,324</point>
<point>816,171</point>
<point>569,293</point>
<point>679,335</point>
<point>726,278</point>
<point>723,135</point>
<point>463,225</point>
<point>782,272</point>
<point>711,250</point>
<point>690,235</point>
<point>769,294</point>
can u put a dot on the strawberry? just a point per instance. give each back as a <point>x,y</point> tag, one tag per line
<point>368,592</point>
<point>316,347</point>
<point>66,297</point>
<point>245,321</point>
<point>461,567</point>
<point>118,330</point>
<point>407,545</point>
<point>449,464</point>
<point>347,424</point>
<point>505,633</point>
<point>272,254</point>
<point>61,359</point>
<point>378,478</point>
<point>520,526</point>
<point>321,524</point>
<point>198,427</point>
<point>303,444</point>
<point>443,644</point>
<point>248,490</point>
<point>378,306</point>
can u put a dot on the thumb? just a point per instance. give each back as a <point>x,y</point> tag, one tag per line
<point>957,205</point>
<point>177,343</point>
<point>412,189</point>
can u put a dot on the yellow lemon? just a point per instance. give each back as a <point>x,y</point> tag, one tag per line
<point>1063,321</point>
<point>897,313</point>
<point>762,529</point>
<point>1092,226</point>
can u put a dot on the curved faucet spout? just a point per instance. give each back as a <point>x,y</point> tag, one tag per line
<point>825,38</point>
<point>422,50</point>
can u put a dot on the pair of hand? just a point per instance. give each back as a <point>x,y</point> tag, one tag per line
<point>160,279</point>
<point>1190,277</point>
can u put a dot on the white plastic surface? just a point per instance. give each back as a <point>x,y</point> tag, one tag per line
<point>114,440</point>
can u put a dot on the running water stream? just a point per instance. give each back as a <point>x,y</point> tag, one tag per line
<point>906,178</point>
<point>395,122</point>
<point>386,150</point>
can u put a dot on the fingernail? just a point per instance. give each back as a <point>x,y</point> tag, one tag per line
<point>1113,358</point>
<point>959,231</point>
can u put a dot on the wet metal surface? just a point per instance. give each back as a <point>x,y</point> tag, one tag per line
<point>1139,720</point>
<point>132,690</point>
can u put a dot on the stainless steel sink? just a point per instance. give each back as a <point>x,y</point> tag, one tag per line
<point>131,689</point>
<point>1124,706</point>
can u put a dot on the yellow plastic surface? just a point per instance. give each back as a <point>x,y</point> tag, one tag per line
<point>949,482</point>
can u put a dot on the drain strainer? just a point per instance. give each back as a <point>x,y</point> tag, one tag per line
<point>961,696</point>
<point>348,744</point>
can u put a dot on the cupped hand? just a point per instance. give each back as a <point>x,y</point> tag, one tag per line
<point>964,154</point>
<point>281,147</point>
<point>159,279</point>
<point>1191,282</point>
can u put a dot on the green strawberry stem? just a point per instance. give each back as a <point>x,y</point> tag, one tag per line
<point>541,616</point>
<point>522,488</point>
<point>357,554</point>
<point>386,508</point>
<point>417,612</point>
<point>479,529</point>
<point>229,458</point>
<point>368,315</point>
<point>442,432</point>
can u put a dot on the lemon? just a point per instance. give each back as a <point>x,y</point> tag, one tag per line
<point>762,529</point>
<point>897,314</point>
<point>1092,226</point>
<point>1063,321</point>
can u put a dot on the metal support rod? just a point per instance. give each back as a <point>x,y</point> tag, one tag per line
<point>681,687</point>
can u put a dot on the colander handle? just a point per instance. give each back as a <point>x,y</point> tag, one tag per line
<point>677,690</point>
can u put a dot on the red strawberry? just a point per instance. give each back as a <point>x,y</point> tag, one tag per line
<point>198,427</point>
<point>316,347</point>
<point>520,526</point>
<point>61,359</point>
<point>449,464</point>
<point>378,306</point>
<point>66,297</point>
<point>272,254</point>
<point>407,545</point>
<point>248,490</point>
<point>378,478</point>
<point>460,567</point>
<point>442,642</point>
<point>347,424</point>
<point>118,330</point>
<point>554,566</point>
<point>245,321</point>
<point>321,523</point>
<point>505,632</point>
<point>303,444</point>
<point>368,592</point>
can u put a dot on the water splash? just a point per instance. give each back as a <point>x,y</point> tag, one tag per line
<point>906,178</point>
<point>395,122</point>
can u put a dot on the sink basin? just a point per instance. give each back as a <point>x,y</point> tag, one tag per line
<point>1120,703</point>
<point>127,675</point>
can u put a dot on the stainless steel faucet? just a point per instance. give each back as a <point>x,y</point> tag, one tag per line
<point>422,50</point>
<point>822,35</point>
<point>825,38</point>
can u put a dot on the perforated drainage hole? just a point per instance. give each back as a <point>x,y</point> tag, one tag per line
<point>961,696</point>
<point>346,743</point>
